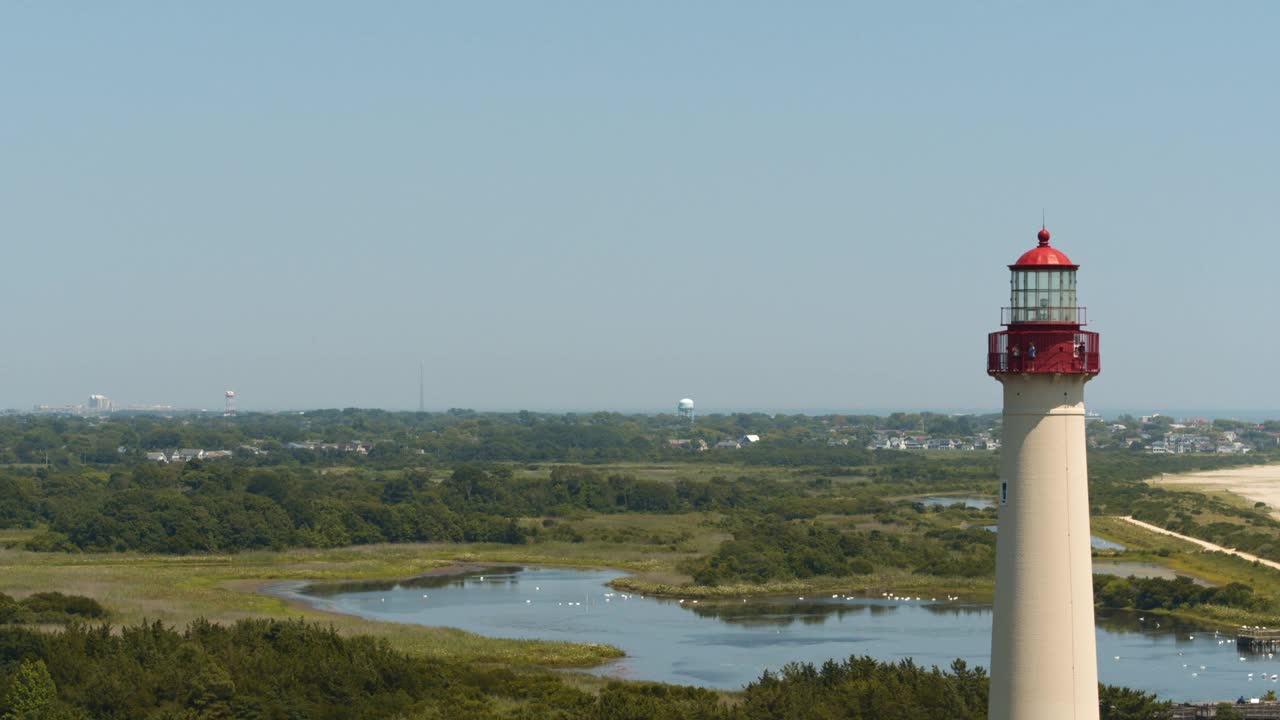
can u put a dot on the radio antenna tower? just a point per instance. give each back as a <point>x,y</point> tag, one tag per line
<point>421,397</point>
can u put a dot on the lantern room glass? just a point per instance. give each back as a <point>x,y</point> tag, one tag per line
<point>1043,296</point>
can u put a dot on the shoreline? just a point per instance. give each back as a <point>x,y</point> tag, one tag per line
<point>291,591</point>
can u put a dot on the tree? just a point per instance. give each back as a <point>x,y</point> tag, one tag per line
<point>31,694</point>
<point>1226,712</point>
<point>1121,703</point>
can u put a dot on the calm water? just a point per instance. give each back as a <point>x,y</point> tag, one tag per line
<point>728,644</point>
<point>1095,542</point>
<point>949,500</point>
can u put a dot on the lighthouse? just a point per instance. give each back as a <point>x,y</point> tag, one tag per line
<point>1043,657</point>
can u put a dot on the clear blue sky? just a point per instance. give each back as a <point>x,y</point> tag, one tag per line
<point>614,205</point>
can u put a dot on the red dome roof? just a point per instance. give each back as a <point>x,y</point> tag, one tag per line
<point>1039,257</point>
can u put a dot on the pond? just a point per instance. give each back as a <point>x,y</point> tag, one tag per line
<point>949,500</point>
<point>1139,569</point>
<point>728,644</point>
<point>1095,542</point>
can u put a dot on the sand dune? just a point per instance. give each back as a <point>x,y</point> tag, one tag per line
<point>1259,483</point>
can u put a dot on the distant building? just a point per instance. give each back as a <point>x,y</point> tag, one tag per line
<point>684,409</point>
<point>100,403</point>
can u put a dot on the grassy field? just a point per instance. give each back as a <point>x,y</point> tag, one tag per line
<point>1139,543</point>
<point>223,588</point>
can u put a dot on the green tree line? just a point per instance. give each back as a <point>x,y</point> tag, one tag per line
<point>277,670</point>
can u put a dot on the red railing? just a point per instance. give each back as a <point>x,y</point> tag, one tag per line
<point>1068,315</point>
<point>1043,351</point>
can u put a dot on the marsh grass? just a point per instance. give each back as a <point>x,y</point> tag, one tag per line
<point>224,588</point>
<point>1137,540</point>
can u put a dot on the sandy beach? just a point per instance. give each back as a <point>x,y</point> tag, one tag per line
<point>1259,483</point>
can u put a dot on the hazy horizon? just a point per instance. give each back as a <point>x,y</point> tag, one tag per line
<point>1241,414</point>
<point>574,204</point>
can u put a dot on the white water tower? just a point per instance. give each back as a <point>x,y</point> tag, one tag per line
<point>684,410</point>
<point>230,407</point>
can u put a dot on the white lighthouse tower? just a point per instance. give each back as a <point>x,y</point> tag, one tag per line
<point>1043,658</point>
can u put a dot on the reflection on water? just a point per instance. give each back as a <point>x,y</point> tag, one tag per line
<point>1139,569</point>
<point>949,500</point>
<point>1123,622</point>
<point>728,643</point>
<point>782,613</point>
<point>496,574</point>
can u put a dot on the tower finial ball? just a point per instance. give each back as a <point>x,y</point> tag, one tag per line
<point>1044,237</point>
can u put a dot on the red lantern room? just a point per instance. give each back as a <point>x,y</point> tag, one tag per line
<point>1043,322</point>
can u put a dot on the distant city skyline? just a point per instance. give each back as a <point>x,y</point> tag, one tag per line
<point>603,206</point>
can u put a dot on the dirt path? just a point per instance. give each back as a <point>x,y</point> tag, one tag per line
<point>1204,543</point>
